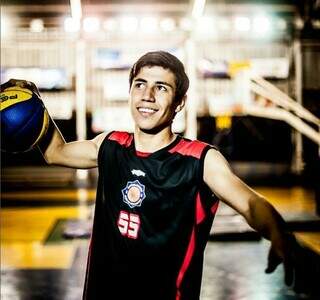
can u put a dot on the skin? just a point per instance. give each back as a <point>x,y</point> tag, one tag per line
<point>154,88</point>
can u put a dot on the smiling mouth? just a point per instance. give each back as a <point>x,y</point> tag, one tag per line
<point>147,110</point>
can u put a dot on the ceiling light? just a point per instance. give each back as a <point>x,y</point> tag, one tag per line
<point>91,24</point>
<point>36,25</point>
<point>242,23</point>
<point>167,24</point>
<point>128,24</point>
<point>205,25</point>
<point>149,24</point>
<point>261,24</point>
<point>71,24</point>
<point>110,24</point>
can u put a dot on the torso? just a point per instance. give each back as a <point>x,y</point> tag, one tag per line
<point>152,219</point>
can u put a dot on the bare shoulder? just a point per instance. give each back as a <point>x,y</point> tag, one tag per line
<point>97,140</point>
<point>215,160</point>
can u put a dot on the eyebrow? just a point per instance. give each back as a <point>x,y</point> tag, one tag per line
<point>157,82</point>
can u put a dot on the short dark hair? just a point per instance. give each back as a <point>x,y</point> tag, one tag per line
<point>167,61</point>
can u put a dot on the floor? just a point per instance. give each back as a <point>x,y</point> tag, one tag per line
<point>37,262</point>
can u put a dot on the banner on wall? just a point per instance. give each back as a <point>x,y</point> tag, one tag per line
<point>44,78</point>
<point>275,67</point>
<point>107,58</point>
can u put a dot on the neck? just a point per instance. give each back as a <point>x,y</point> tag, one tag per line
<point>151,142</point>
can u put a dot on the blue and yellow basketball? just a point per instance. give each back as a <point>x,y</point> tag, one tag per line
<point>24,119</point>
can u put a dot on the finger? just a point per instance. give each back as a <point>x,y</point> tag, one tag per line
<point>288,272</point>
<point>22,84</point>
<point>272,265</point>
<point>273,262</point>
<point>9,83</point>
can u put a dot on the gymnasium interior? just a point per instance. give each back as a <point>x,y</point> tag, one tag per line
<point>254,70</point>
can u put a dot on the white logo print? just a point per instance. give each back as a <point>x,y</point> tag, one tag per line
<point>138,172</point>
<point>133,193</point>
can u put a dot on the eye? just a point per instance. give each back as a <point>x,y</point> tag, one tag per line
<point>162,88</point>
<point>139,85</point>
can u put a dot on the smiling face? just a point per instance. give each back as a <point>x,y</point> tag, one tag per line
<point>152,99</point>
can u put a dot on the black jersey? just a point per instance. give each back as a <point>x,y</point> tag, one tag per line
<point>152,219</point>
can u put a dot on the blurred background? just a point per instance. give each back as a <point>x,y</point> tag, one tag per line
<point>254,68</point>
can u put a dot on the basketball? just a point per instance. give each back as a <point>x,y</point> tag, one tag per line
<point>24,119</point>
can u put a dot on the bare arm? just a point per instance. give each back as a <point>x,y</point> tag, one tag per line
<point>258,212</point>
<point>230,189</point>
<point>78,154</point>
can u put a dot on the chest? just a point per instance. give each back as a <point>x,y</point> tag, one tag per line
<point>160,185</point>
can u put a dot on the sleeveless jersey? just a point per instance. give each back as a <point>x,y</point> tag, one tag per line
<point>152,220</point>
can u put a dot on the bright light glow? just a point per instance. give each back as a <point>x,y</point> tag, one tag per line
<point>167,24</point>
<point>91,24</point>
<point>76,10</point>
<point>36,25</point>
<point>198,8</point>
<point>149,24</point>
<point>205,25</point>
<point>82,174</point>
<point>110,24</point>
<point>242,24</point>
<point>316,24</point>
<point>5,26</point>
<point>298,22</point>
<point>185,24</point>
<point>281,24</point>
<point>223,24</point>
<point>71,24</point>
<point>128,24</point>
<point>261,24</point>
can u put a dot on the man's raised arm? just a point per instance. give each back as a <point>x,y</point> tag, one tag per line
<point>77,154</point>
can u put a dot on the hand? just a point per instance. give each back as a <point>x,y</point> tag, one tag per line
<point>21,83</point>
<point>282,251</point>
<point>301,265</point>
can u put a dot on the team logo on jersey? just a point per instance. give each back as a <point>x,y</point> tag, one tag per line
<point>134,193</point>
<point>138,172</point>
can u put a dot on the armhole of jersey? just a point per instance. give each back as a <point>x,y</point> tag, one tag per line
<point>202,159</point>
<point>214,197</point>
<point>101,148</point>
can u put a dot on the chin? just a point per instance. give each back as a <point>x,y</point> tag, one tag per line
<point>153,129</point>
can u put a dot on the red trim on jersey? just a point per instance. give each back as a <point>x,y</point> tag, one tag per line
<point>191,148</point>
<point>186,261</point>
<point>122,137</point>
<point>214,207</point>
<point>143,154</point>
<point>200,215</point>
<point>200,212</point>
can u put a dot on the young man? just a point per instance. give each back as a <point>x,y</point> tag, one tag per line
<point>157,195</point>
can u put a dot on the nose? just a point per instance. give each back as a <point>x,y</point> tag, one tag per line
<point>148,95</point>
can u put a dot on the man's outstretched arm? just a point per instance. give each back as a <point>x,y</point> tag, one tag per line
<point>258,212</point>
<point>77,154</point>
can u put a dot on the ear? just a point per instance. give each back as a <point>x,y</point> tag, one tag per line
<point>181,104</point>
